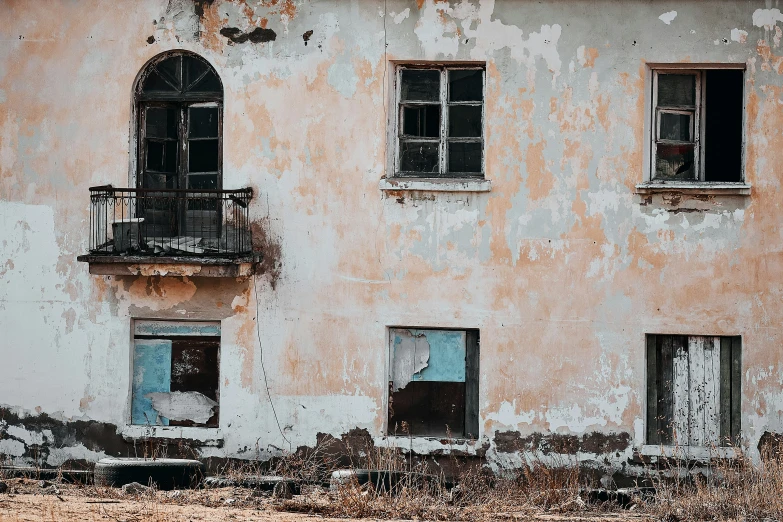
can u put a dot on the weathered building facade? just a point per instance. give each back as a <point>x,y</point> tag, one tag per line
<point>545,227</point>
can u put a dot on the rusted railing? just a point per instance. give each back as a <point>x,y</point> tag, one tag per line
<point>169,222</point>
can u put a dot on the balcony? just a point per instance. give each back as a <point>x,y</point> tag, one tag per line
<point>202,233</point>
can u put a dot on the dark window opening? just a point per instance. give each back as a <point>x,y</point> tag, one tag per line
<point>176,374</point>
<point>433,383</point>
<point>723,125</point>
<point>693,390</point>
<point>441,122</point>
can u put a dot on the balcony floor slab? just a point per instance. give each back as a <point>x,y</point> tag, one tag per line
<point>182,266</point>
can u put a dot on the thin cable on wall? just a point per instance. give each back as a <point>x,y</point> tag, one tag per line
<point>263,368</point>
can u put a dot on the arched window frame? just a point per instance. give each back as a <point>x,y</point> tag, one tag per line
<point>181,100</point>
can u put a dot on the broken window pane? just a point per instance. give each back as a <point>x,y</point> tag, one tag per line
<point>155,155</point>
<point>161,122</point>
<point>194,372</point>
<point>171,69</point>
<point>675,127</point>
<point>203,181</point>
<point>170,156</point>
<point>162,156</point>
<point>422,121</point>
<point>420,85</point>
<point>203,122</point>
<point>155,83</point>
<point>418,156</point>
<point>674,162</point>
<point>194,69</point>
<point>676,89</point>
<point>465,157</point>
<point>209,83</point>
<point>466,85</point>
<point>465,121</point>
<point>155,180</point>
<point>203,156</point>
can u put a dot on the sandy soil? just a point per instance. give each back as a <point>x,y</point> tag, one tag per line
<point>27,501</point>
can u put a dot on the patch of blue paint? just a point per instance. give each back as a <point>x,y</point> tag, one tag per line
<point>177,328</point>
<point>447,356</point>
<point>151,373</point>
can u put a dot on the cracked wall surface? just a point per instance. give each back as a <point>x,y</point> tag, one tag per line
<point>562,266</point>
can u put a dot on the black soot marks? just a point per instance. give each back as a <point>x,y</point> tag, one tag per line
<point>257,35</point>
<point>151,40</point>
<point>199,5</point>
<point>306,36</point>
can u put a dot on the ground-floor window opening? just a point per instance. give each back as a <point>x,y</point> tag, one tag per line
<point>175,373</point>
<point>693,390</point>
<point>433,382</point>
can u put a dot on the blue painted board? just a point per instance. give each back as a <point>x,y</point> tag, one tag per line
<point>151,373</point>
<point>447,356</point>
<point>175,328</point>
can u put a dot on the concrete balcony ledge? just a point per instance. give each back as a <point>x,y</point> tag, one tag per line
<point>182,266</point>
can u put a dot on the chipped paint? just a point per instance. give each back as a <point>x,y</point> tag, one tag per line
<point>558,262</point>
<point>668,17</point>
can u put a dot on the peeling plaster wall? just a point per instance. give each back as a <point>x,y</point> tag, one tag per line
<point>562,267</point>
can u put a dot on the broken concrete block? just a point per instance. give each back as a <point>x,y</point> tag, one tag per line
<point>134,488</point>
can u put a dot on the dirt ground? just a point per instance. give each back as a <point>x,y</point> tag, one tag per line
<point>27,501</point>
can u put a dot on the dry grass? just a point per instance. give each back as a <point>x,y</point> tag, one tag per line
<point>726,489</point>
<point>417,494</point>
<point>736,489</point>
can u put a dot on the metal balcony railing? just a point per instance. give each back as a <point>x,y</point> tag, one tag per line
<point>169,222</point>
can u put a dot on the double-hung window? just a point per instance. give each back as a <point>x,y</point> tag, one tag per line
<point>440,121</point>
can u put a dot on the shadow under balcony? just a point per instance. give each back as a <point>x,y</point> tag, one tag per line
<point>203,233</point>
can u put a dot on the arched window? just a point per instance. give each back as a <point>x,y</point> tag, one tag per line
<point>179,100</point>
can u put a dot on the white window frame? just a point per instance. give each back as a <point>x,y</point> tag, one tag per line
<point>699,183</point>
<point>443,139</point>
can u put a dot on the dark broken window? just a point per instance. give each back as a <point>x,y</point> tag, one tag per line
<point>693,390</point>
<point>697,125</point>
<point>441,122</point>
<point>179,100</point>
<point>433,382</point>
<point>175,373</point>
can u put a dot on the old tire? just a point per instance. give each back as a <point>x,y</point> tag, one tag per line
<point>164,473</point>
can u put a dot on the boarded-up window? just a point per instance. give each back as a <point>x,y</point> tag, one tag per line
<point>693,390</point>
<point>440,121</point>
<point>433,382</point>
<point>175,373</point>
<point>697,125</point>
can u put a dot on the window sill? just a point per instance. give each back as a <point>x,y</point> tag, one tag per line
<point>424,445</point>
<point>206,436</point>
<point>437,184</point>
<point>688,187</point>
<point>689,452</point>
